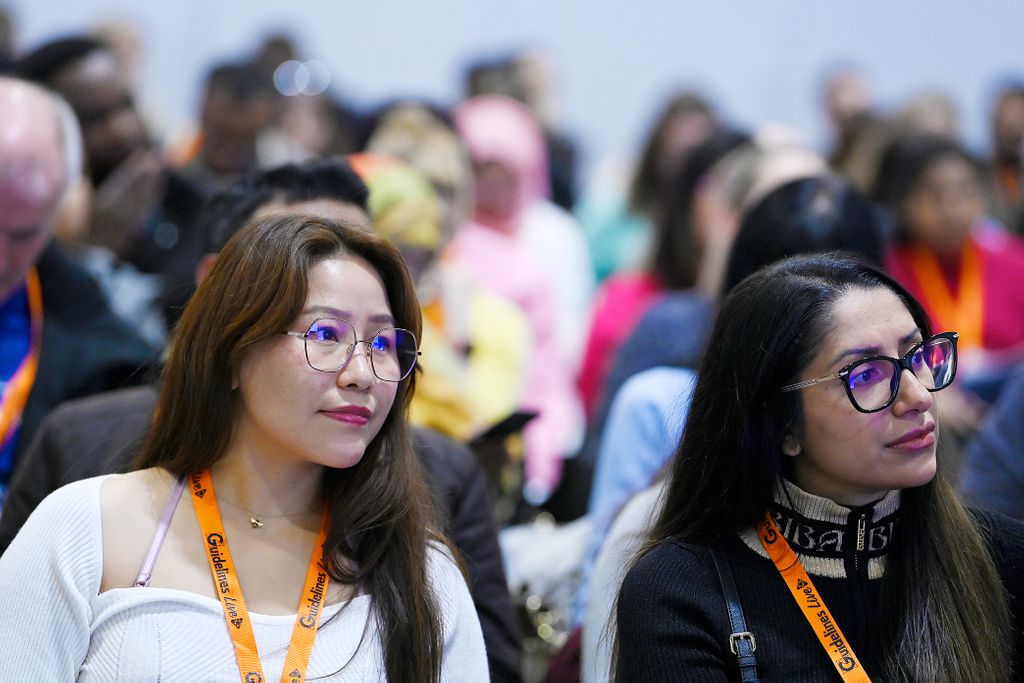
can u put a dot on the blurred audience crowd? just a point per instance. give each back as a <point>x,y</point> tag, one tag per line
<point>564,317</point>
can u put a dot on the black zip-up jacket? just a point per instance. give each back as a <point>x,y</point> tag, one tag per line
<point>672,619</point>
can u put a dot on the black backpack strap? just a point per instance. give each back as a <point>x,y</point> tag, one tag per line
<point>741,641</point>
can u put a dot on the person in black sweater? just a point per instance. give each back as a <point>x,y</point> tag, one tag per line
<point>813,428</point>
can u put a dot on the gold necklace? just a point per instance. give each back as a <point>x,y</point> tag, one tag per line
<point>256,519</point>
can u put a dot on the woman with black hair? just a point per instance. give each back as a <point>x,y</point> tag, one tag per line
<point>673,264</point>
<point>806,493</point>
<point>618,220</point>
<point>822,213</point>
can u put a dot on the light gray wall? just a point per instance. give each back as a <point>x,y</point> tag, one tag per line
<point>760,61</point>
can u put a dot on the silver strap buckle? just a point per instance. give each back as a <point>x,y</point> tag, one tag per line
<point>742,635</point>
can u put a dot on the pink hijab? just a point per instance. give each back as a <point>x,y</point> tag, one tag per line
<point>500,130</point>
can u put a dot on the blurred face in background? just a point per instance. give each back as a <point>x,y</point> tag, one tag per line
<point>714,218</point>
<point>309,121</point>
<point>847,96</point>
<point>944,205</point>
<point>32,179</point>
<point>25,228</point>
<point>497,189</point>
<point>230,129</point>
<point>681,134</point>
<point>443,161</point>
<point>413,133</point>
<point>97,88</point>
<point>1008,128</point>
<point>934,113</point>
<point>509,158</point>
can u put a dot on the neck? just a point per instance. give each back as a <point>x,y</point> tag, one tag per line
<point>798,497</point>
<point>949,254</point>
<point>810,482</point>
<point>270,486</point>
<point>7,293</point>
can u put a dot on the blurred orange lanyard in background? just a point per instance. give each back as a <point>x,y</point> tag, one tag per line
<point>17,389</point>
<point>963,313</point>
<point>229,591</point>
<point>810,603</point>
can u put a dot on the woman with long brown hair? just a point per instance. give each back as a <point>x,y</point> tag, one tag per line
<point>278,472</point>
<point>808,531</point>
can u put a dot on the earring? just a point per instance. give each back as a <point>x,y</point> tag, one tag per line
<point>790,446</point>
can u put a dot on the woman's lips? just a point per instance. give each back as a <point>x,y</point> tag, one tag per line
<point>915,440</point>
<point>353,415</point>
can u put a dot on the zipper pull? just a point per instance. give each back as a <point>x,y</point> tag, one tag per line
<point>861,532</point>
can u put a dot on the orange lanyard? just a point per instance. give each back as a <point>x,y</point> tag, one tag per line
<point>230,592</point>
<point>17,389</point>
<point>810,603</point>
<point>964,312</point>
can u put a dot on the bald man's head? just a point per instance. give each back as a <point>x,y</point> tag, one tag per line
<point>38,152</point>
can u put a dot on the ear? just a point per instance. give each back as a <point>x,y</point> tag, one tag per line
<point>204,266</point>
<point>790,445</point>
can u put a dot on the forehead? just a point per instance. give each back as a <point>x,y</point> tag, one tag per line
<point>947,166</point>
<point>347,284</point>
<point>946,173</point>
<point>31,166</point>
<point>686,128</point>
<point>225,111</point>
<point>864,318</point>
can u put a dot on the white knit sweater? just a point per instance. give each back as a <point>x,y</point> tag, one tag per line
<point>55,626</point>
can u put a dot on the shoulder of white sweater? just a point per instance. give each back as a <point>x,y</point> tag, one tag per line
<point>444,572</point>
<point>78,501</point>
<point>63,536</point>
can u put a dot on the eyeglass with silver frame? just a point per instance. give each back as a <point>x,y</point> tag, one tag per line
<point>872,383</point>
<point>330,344</point>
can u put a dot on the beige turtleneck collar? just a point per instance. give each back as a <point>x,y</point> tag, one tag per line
<point>832,539</point>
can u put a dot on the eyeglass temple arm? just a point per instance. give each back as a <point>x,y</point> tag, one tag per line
<point>810,382</point>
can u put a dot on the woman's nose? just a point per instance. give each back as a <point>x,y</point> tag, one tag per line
<point>911,395</point>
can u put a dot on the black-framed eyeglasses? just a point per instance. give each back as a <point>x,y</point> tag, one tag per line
<point>872,383</point>
<point>331,342</point>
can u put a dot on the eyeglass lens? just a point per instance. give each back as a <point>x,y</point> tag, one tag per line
<point>873,383</point>
<point>330,343</point>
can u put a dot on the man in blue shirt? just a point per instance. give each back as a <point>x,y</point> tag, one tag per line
<point>58,339</point>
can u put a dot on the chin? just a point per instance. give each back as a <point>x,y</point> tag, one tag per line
<point>344,461</point>
<point>920,473</point>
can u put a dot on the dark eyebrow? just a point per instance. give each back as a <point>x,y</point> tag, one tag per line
<point>911,336</point>
<point>382,318</point>
<point>875,350</point>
